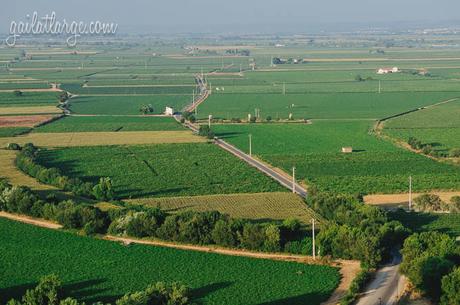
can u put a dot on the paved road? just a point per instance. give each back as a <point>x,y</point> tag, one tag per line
<point>284,180</point>
<point>386,286</point>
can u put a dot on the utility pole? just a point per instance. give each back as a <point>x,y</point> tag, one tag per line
<point>284,88</point>
<point>380,86</point>
<point>313,237</point>
<point>293,179</point>
<point>250,145</point>
<point>209,120</point>
<point>410,193</point>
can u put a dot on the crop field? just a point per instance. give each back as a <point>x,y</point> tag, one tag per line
<point>127,104</point>
<point>318,105</point>
<point>258,206</point>
<point>420,222</point>
<point>69,139</point>
<point>24,120</point>
<point>28,99</point>
<point>12,131</point>
<point>438,126</point>
<point>29,110</point>
<point>161,170</point>
<point>102,270</point>
<point>375,166</point>
<point>111,123</point>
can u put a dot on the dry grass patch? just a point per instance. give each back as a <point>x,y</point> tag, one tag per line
<point>260,206</point>
<point>104,138</point>
<point>29,110</point>
<point>14,176</point>
<point>395,200</point>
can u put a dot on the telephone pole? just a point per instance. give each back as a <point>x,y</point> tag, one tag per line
<point>250,145</point>
<point>284,88</point>
<point>380,86</point>
<point>293,179</point>
<point>209,120</point>
<point>313,237</point>
<point>410,193</point>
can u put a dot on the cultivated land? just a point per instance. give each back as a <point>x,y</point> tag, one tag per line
<point>438,126</point>
<point>375,166</point>
<point>102,270</point>
<point>67,139</point>
<point>258,206</point>
<point>161,170</point>
<point>111,123</point>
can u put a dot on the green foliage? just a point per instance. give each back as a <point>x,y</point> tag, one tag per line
<point>146,109</point>
<point>450,288</point>
<point>205,131</point>
<point>103,190</point>
<point>428,203</point>
<point>427,257</point>
<point>162,170</point>
<point>25,257</point>
<point>13,146</point>
<point>47,292</point>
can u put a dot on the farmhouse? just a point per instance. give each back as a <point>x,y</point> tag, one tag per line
<point>388,70</point>
<point>169,111</point>
<point>347,150</point>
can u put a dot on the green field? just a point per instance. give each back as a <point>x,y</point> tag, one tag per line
<point>12,131</point>
<point>438,126</point>
<point>375,166</point>
<point>421,222</point>
<point>110,123</point>
<point>98,270</point>
<point>8,99</point>
<point>162,170</point>
<point>126,104</point>
<point>319,105</point>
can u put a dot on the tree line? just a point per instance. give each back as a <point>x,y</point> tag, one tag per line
<point>203,228</point>
<point>49,291</point>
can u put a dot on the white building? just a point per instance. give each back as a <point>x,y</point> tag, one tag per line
<point>388,70</point>
<point>169,111</point>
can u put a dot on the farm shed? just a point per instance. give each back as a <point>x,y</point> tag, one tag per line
<point>169,111</point>
<point>388,70</point>
<point>347,150</point>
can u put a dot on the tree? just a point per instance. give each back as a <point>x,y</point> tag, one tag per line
<point>223,235</point>
<point>455,153</point>
<point>104,189</point>
<point>47,292</point>
<point>450,288</point>
<point>18,93</point>
<point>63,97</point>
<point>146,109</point>
<point>272,238</point>
<point>205,131</point>
<point>268,119</point>
<point>359,78</point>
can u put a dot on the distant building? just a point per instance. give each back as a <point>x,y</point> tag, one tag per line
<point>169,111</point>
<point>388,70</point>
<point>347,150</point>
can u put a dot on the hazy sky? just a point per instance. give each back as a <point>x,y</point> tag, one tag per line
<point>235,15</point>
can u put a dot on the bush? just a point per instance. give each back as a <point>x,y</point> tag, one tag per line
<point>13,146</point>
<point>455,153</point>
<point>205,131</point>
<point>455,204</point>
<point>103,190</point>
<point>450,288</point>
<point>428,203</point>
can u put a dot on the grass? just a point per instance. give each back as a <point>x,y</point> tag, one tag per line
<point>99,270</point>
<point>126,104</point>
<point>438,126</point>
<point>421,222</point>
<point>71,139</point>
<point>375,166</point>
<point>332,105</point>
<point>259,206</point>
<point>110,123</point>
<point>161,170</point>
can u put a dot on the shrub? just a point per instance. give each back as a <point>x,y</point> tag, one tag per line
<point>455,204</point>
<point>205,131</point>
<point>428,202</point>
<point>450,288</point>
<point>103,190</point>
<point>455,153</point>
<point>13,146</point>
